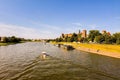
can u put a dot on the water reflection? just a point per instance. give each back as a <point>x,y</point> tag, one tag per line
<point>23,62</point>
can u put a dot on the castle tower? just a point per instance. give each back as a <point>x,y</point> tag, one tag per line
<point>62,36</point>
<point>79,32</point>
<point>84,33</point>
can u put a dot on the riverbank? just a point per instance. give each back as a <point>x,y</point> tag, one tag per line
<point>101,49</point>
<point>5,44</point>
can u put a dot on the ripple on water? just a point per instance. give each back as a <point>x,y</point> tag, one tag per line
<point>21,62</point>
<point>56,69</point>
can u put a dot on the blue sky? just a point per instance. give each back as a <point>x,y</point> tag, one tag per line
<point>50,18</point>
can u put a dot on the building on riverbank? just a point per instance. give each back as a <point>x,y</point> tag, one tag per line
<point>2,39</point>
<point>66,35</point>
<point>83,34</point>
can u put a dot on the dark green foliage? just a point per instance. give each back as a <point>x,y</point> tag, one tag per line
<point>116,38</point>
<point>79,37</point>
<point>74,37</point>
<point>108,40</point>
<point>59,40</point>
<point>118,41</point>
<point>105,38</point>
<point>99,39</point>
<point>68,39</point>
<point>83,40</point>
<point>48,40</point>
<point>12,39</point>
<point>93,34</point>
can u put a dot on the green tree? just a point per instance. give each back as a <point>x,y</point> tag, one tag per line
<point>68,39</point>
<point>99,39</point>
<point>107,38</point>
<point>118,41</point>
<point>79,37</point>
<point>116,37</point>
<point>82,40</point>
<point>59,39</point>
<point>74,37</point>
<point>85,40</point>
<point>93,34</point>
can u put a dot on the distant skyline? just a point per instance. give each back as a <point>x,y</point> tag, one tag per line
<point>50,18</point>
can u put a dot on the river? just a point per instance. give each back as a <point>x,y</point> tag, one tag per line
<point>23,62</point>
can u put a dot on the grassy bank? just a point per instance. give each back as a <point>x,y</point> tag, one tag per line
<point>103,49</point>
<point>5,44</point>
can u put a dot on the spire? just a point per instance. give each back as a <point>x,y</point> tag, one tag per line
<point>79,31</point>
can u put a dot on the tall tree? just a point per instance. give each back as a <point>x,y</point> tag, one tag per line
<point>74,37</point>
<point>116,37</point>
<point>93,34</point>
<point>99,39</point>
<point>79,36</point>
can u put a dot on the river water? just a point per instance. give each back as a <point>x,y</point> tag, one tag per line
<point>23,62</point>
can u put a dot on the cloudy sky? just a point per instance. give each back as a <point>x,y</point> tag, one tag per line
<point>50,18</point>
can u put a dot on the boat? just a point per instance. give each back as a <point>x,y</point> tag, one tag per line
<point>44,55</point>
<point>67,47</point>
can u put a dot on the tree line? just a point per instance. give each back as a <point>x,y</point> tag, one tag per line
<point>94,36</point>
<point>12,39</point>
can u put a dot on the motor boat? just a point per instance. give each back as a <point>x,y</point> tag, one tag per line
<point>44,55</point>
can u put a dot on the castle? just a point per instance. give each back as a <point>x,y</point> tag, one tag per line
<point>83,34</point>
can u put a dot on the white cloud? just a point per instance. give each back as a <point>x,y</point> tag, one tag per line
<point>43,30</point>
<point>46,26</point>
<point>25,32</point>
